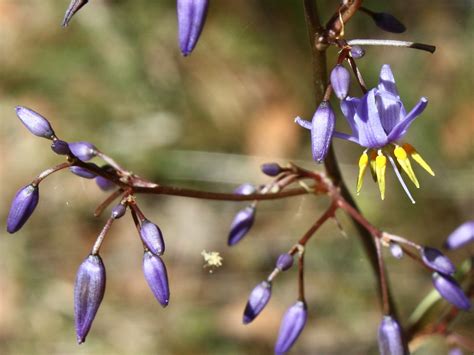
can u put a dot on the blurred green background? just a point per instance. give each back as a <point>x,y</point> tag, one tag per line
<point>115,77</point>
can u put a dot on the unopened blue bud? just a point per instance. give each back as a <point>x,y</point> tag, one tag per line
<point>388,23</point>
<point>322,129</point>
<point>118,211</point>
<point>357,52</point>
<point>60,147</point>
<point>257,301</point>
<point>83,150</point>
<point>241,224</point>
<point>104,184</point>
<point>271,169</point>
<point>152,237</point>
<point>88,294</point>
<point>340,80</point>
<point>245,189</point>
<point>191,19</point>
<point>390,337</point>
<point>450,290</point>
<point>461,236</point>
<point>396,250</point>
<point>22,207</point>
<point>436,260</point>
<point>82,172</point>
<point>291,327</point>
<point>284,262</point>
<point>36,124</point>
<point>157,277</point>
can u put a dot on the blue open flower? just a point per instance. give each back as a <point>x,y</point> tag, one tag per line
<point>379,121</point>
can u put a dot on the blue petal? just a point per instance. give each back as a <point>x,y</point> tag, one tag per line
<point>345,136</point>
<point>387,81</point>
<point>391,110</point>
<point>367,119</point>
<point>348,108</point>
<point>303,123</point>
<point>400,129</point>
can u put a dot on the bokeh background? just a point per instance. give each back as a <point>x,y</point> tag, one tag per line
<point>115,77</point>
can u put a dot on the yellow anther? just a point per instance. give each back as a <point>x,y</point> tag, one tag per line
<point>402,159</point>
<point>373,156</point>
<point>417,157</point>
<point>363,162</point>
<point>380,165</point>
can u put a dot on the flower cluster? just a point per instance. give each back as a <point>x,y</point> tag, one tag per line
<point>378,121</point>
<point>90,280</point>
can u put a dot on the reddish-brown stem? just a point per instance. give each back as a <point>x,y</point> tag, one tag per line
<point>50,171</point>
<point>98,211</point>
<point>100,238</point>
<point>301,296</point>
<point>310,232</point>
<point>357,74</point>
<point>137,212</point>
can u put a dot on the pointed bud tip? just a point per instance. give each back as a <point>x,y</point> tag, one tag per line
<point>258,299</point>
<point>152,237</point>
<point>241,225</point>
<point>22,207</point>
<point>291,327</point>
<point>437,261</point>
<point>34,122</point>
<point>450,290</point>
<point>461,236</point>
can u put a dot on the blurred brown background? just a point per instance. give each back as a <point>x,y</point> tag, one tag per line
<point>115,77</point>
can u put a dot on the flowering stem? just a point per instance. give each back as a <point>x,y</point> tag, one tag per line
<point>301,296</point>
<point>98,211</point>
<point>100,238</point>
<point>315,31</point>
<point>50,171</point>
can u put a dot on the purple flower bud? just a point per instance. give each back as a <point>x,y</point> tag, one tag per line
<point>257,301</point>
<point>291,326</point>
<point>396,250</point>
<point>83,150</point>
<point>284,262</point>
<point>455,351</point>
<point>60,147</point>
<point>88,293</point>
<point>390,337</point>
<point>157,277</point>
<point>191,18</point>
<point>462,235</point>
<point>357,52</point>
<point>23,205</point>
<point>103,183</point>
<point>245,189</point>
<point>322,130</point>
<point>241,224</point>
<point>436,260</point>
<point>271,169</point>
<point>152,237</point>
<point>450,290</point>
<point>340,80</point>
<point>73,7</point>
<point>82,172</point>
<point>118,211</point>
<point>388,22</point>
<point>36,124</point>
